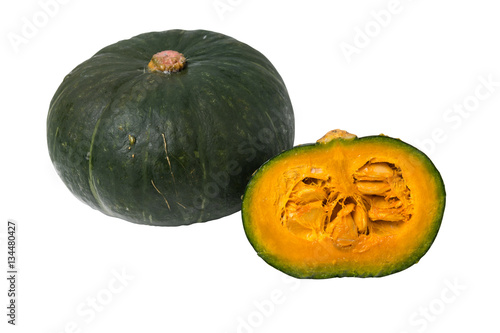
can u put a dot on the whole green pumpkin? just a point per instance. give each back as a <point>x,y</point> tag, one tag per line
<point>166,128</point>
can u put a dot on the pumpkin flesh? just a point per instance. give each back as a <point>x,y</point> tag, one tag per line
<point>344,207</point>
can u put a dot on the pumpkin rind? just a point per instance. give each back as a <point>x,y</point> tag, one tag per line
<point>319,256</point>
<point>168,148</point>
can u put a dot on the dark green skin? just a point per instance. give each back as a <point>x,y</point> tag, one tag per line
<point>330,271</point>
<point>168,149</point>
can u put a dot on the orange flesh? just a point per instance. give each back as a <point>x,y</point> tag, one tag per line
<point>363,204</point>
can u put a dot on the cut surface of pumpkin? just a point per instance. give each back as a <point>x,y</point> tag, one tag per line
<point>345,206</point>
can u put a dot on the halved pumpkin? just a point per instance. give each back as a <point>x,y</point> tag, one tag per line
<point>345,206</point>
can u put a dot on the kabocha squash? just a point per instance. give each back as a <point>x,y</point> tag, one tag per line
<point>166,128</point>
<point>344,206</point>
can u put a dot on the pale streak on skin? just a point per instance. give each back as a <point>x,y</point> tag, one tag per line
<point>156,188</point>
<point>168,159</point>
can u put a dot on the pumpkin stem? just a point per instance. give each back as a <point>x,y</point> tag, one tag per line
<point>336,134</point>
<point>167,62</point>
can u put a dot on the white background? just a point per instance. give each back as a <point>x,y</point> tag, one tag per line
<point>409,74</point>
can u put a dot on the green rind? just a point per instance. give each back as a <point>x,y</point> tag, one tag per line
<point>330,271</point>
<point>199,133</point>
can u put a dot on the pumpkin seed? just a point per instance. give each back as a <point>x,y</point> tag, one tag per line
<point>360,217</point>
<point>373,187</point>
<point>374,171</point>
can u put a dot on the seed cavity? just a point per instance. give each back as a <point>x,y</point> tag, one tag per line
<point>375,200</point>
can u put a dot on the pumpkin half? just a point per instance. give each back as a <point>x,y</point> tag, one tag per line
<point>344,206</point>
<point>166,128</point>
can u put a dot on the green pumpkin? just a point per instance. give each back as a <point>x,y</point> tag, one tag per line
<point>166,128</point>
